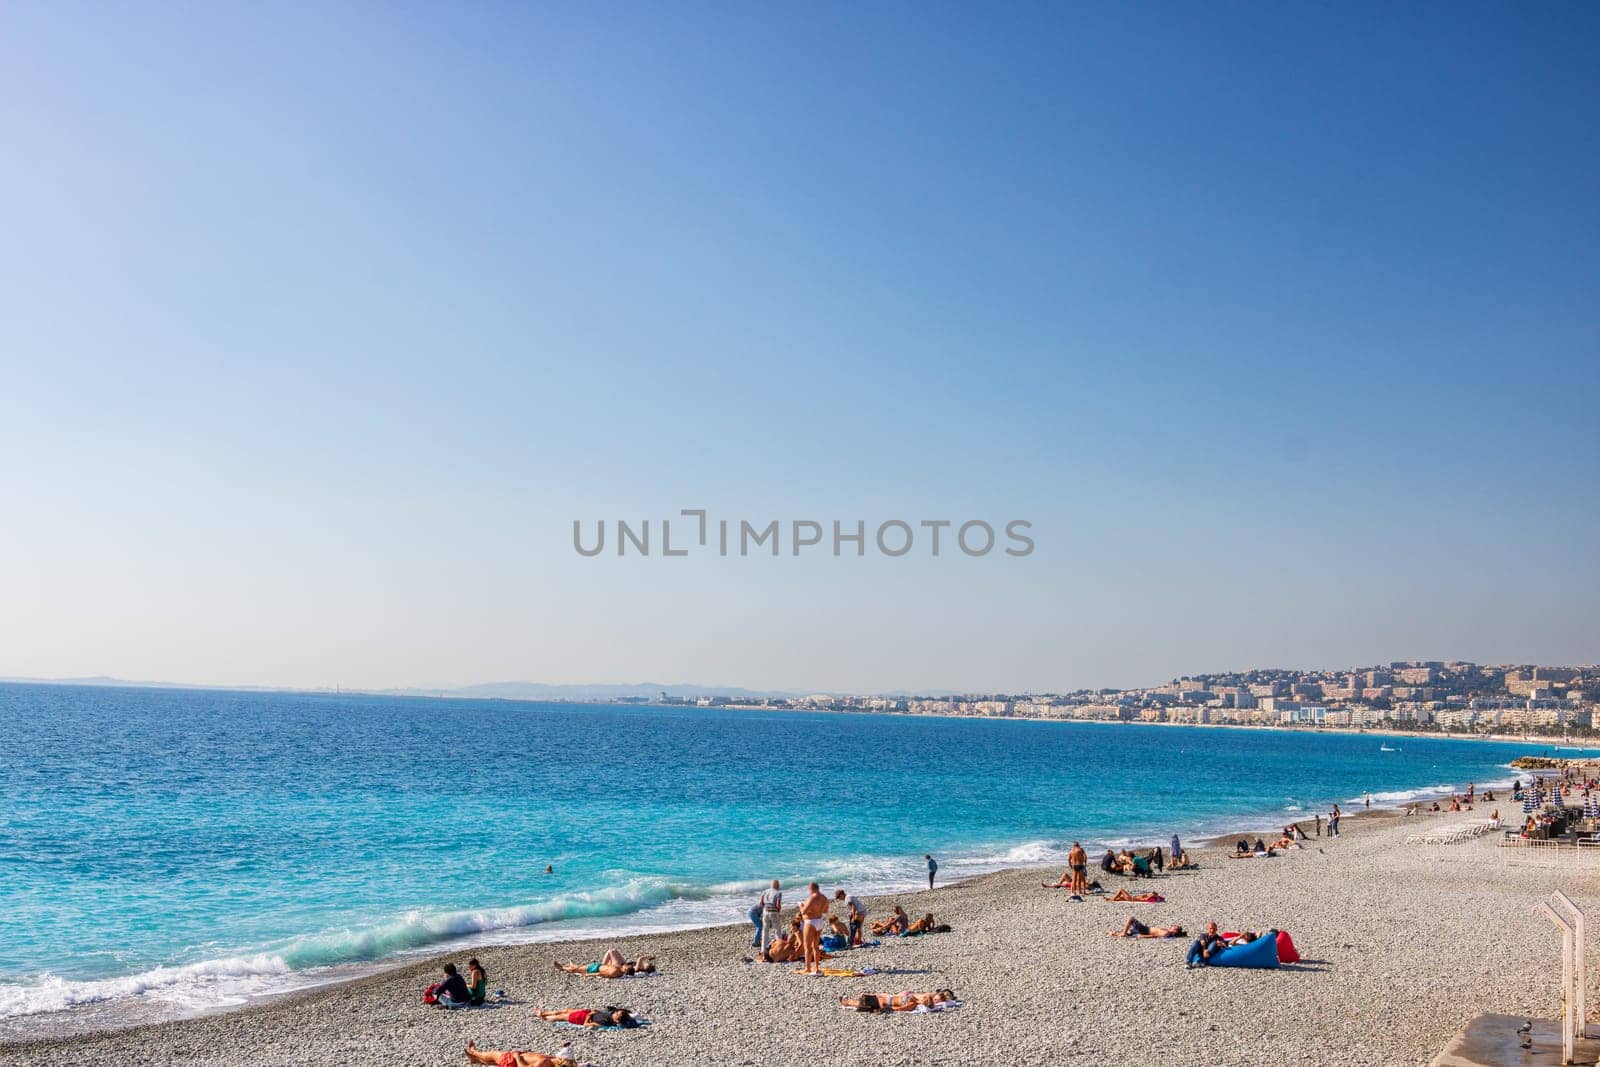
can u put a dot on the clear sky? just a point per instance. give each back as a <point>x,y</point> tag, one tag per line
<point>321,323</point>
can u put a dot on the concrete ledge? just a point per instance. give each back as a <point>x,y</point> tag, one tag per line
<point>1493,1041</point>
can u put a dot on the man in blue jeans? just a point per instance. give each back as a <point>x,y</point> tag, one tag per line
<point>1205,946</point>
<point>755,920</point>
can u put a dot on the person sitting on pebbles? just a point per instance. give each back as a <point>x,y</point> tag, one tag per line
<point>788,949</point>
<point>894,924</point>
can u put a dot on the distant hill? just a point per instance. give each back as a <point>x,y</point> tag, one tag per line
<point>639,690</point>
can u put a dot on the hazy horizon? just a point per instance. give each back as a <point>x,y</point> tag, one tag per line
<point>322,326</point>
<point>728,689</point>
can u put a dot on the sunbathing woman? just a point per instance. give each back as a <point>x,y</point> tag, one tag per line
<point>921,926</point>
<point>612,965</point>
<point>1122,896</point>
<point>907,1001</point>
<point>590,1018</point>
<point>515,1058</point>
<point>894,924</point>
<point>1134,928</point>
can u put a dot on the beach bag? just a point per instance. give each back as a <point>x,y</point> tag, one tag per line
<point>431,994</point>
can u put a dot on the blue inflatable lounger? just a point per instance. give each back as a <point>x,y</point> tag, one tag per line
<point>1262,952</point>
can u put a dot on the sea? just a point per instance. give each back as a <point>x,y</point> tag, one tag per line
<point>168,852</point>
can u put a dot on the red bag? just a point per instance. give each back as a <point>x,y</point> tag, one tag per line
<point>431,994</point>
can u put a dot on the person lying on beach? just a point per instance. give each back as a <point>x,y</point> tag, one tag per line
<point>612,965</point>
<point>1182,862</point>
<point>516,1057</point>
<point>1283,843</point>
<point>894,924</point>
<point>921,926</point>
<point>590,1018</point>
<point>1134,928</point>
<point>1122,896</point>
<point>907,1001</point>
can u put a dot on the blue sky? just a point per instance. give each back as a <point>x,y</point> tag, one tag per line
<point>319,324</point>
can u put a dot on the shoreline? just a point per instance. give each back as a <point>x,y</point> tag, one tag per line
<point>122,1015</point>
<point>1039,978</point>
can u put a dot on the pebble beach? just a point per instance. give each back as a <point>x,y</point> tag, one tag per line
<point>1402,944</point>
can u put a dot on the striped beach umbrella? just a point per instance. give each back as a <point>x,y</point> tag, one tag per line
<point>1591,807</point>
<point>1528,805</point>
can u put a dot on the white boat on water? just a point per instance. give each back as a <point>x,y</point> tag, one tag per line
<point>1386,748</point>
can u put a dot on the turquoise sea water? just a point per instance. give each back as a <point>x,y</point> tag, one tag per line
<point>190,849</point>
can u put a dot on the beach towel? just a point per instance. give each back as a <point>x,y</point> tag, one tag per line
<point>924,1009</point>
<point>577,1026</point>
<point>1262,952</point>
<point>848,972</point>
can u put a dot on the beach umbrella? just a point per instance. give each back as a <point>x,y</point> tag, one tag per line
<point>1528,806</point>
<point>1591,807</point>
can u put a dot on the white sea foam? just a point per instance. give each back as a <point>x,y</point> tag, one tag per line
<point>636,904</point>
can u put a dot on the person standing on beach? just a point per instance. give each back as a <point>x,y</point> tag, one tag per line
<point>1333,821</point>
<point>812,922</point>
<point>855,915</point>
<point>1319,824</point>
<point>755,920</point>
<point>932,867</point>
<point>1078,860</point>
<point>771,915</point>
<point>1176,851</point>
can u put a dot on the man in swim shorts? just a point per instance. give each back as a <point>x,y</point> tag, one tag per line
<point>518,1057</point>
<point>812,922</point>
<point>1078,860</point>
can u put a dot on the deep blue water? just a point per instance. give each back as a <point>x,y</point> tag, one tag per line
<point>193,847</point>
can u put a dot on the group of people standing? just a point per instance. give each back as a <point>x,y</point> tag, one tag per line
<point>814,921</point>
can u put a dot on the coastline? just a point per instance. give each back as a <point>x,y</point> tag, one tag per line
<point>154,1002</point>
<point>521,964</point>
<point>1379,925</point>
